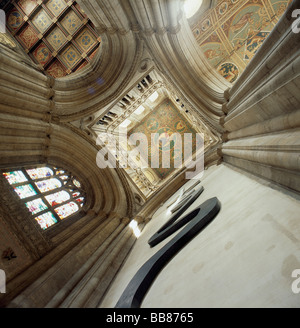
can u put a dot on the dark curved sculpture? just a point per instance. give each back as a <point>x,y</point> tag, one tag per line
<point>137,288</point>
<point>170,227</point>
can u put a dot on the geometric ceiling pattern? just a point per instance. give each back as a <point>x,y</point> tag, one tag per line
<point>56,34</point>
<point>162,123</point>
<point>230,34</point>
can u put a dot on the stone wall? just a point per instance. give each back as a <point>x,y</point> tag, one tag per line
<point>32,133</point>
<point>262,112</point>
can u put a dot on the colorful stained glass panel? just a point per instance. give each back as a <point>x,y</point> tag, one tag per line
<point>46,220</point>
<point>15,177</point>
<point>59,171</point>
<point>77,183</point>
<point>36,206</point>
<point>66,210</point>
<point>40,173</point>
<point>58,198</point>
<point>25,191</point>
<point>48,185</point>
<point>64,177</point>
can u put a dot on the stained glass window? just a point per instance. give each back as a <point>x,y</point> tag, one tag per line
<point>25,191</point>
<point>47,185</point>
<point>59,171</point>
<point>58,198</point>
<point>64,177</point>
<point>46,220</point>
<point>49,193</point>
<point>40,173</point>
<point>15,177</point>
<point>76,183</point>
<point>66,210</point>
<point>36,206</point>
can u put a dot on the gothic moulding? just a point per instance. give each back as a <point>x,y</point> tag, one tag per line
<point>172,46</point>
<point>179,58</point>
<point>262,116</point>
<point>97,85</point>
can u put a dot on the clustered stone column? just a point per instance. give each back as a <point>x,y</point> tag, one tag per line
<point>262,112</point>
<point>32,133</point>
<point>81,277</point>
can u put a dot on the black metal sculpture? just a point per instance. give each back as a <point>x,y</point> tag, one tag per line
<point>171,226</point>
<point>137,288</point>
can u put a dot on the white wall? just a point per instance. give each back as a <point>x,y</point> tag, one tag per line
<point>244,258</point>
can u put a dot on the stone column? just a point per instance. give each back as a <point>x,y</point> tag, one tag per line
<point>99,270</point>
<point>25,90</point>
<point>262,112</point>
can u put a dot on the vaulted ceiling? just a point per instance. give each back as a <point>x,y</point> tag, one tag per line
<point>150,108</point>
<point>141,47</point>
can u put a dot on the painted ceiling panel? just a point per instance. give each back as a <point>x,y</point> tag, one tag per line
<point>56,38</point>
<point>231,33</point>
<point>56,7</point>
<point>27,6</point>
<point>162,123</point>
<point>56,34</point>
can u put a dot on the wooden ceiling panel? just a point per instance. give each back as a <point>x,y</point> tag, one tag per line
<point>56,34</point>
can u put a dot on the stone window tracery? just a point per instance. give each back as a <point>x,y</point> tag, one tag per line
<point>49,193</point>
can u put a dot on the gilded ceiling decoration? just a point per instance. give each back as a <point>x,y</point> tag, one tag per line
<point>164,122</point>
<point>231,33</point>
<point>56,34</point>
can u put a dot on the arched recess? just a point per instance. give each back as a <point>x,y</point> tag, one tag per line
<point>106,185</point>
<point>28,142</point>
<point>125,29</point>
<point>169,39</point>
<point>99,83</point>
<point>51,194</point>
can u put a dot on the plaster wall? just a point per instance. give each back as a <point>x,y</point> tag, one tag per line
<point>244,258</point>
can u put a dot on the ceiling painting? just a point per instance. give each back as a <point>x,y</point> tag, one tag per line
<point>231,33</point>
<point>56,34</point>
<point>163,123</point>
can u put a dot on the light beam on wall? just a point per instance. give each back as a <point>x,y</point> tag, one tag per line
<point>134,226</point>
